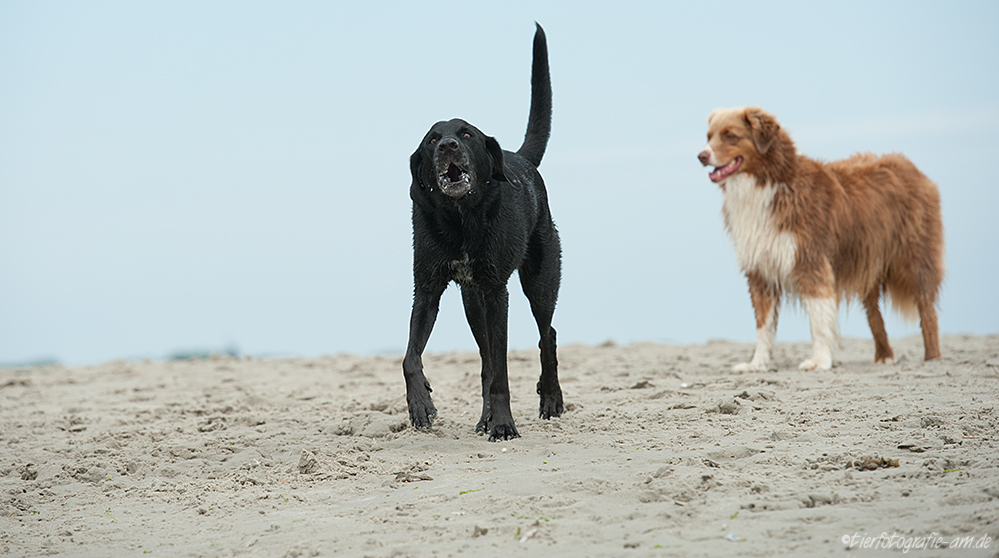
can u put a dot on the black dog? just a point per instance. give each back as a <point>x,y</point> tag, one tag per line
<point>479,213</point>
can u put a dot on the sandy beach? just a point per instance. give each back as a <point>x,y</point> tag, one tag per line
<point>663,451</point>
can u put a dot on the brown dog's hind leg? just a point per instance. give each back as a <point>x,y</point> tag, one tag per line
<point>882,350</point>
<point>928,323</point>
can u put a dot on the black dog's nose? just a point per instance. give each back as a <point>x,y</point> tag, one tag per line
<point>447,144</point>
<point>703,157</point>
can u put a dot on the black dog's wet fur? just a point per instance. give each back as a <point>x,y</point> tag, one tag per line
<point>477,239</point>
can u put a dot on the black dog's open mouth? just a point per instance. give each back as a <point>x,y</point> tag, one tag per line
<point>454,181</point>
<point>454,173</point>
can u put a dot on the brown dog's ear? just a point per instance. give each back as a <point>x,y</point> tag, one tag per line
<point>763,128</point>
<point>496,153</point>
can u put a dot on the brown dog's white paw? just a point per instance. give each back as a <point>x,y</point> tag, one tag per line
<point>815,364</point>
<point>749,367</point>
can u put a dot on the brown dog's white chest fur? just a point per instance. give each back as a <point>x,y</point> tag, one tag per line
<point>759,246</point>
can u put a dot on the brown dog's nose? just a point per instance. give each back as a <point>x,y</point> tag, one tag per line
<point>447,144</point>
<point>704,157</point>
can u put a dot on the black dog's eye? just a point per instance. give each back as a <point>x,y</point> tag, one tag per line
<point>433,141</point>
<point>466,135</point>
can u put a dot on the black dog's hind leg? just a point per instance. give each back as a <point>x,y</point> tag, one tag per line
<point>540,276</point>
<point>548,388</point>
<point>475,312</point>
<point>426,302</point>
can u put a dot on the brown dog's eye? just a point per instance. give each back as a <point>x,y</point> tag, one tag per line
<point>731,138</point>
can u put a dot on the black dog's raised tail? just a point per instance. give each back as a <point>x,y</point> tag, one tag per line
<point>539,123</point>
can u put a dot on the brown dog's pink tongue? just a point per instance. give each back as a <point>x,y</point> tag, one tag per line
<point>721,173</point>
<point>718,174</point>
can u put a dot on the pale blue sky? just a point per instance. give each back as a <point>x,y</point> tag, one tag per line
<point>191,175</point>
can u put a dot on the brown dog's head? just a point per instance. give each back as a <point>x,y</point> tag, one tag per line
<point>744,139</point>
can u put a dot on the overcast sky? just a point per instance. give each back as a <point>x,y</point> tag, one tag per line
<point>201,175</point>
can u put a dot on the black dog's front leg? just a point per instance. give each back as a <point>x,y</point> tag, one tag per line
<point>426,302</point>
<point>501,426</point>
<point>475,312</point>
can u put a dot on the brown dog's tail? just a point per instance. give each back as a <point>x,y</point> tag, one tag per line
<point>539,123</point>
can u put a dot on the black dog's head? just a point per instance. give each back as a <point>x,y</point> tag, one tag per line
<point>455,160</point>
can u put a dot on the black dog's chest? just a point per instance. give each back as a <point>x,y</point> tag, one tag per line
<point>461,271</point>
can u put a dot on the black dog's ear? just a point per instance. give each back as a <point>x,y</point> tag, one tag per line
<point>416,166</point>
<point>418,190</point>
<point>496,152</point>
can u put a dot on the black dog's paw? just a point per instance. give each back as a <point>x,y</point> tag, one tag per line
<point>422,416</point>
<point>501,432</point>
<point>422,413</point>
<point>551,407</point>
<point>551,403</point>
<point>482,427</point>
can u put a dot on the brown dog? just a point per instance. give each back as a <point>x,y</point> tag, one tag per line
<point>818,232</point>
